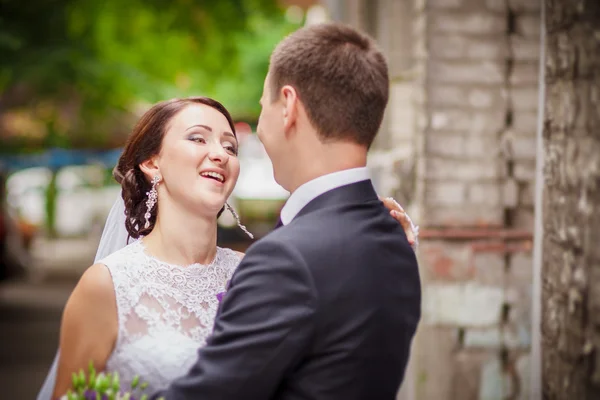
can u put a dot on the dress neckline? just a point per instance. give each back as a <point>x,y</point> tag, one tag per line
<point>144,251</point>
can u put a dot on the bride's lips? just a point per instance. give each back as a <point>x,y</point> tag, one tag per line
<point>214,174</point>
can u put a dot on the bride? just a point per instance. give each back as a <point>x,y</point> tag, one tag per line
<point>147,307</point>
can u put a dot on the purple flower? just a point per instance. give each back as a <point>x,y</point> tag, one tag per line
<point>222,294</point>
<point>93,395</point>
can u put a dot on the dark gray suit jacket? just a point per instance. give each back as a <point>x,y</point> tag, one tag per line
<point>323,308</point>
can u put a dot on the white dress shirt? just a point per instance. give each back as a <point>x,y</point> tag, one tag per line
<point>313,189</point>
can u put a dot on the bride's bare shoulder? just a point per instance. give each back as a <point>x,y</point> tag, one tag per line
<point>93,295</point>
<point>96,282</point>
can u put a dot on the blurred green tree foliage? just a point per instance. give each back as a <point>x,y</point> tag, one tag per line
<point>81,70</point>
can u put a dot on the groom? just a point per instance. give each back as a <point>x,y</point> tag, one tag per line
<point>326,306</point>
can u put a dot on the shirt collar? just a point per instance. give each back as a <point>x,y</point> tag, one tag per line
<point>313,189</point>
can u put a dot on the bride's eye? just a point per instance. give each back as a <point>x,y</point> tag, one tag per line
<point>232,149</point>
<point>197,139</point>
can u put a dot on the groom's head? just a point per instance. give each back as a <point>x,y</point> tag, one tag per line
<point>327,88</point>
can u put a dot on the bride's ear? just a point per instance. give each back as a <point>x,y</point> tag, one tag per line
<point>150,168</point>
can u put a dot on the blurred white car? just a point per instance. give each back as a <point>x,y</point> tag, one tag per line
<point>82,201</point>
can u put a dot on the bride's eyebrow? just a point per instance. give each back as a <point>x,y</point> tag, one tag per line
<point>208,128</point>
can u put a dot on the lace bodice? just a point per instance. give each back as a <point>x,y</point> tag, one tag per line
<point>165,312</point>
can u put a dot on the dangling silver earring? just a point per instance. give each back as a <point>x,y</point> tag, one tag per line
<point>152,199</point>
<point>237,219</point>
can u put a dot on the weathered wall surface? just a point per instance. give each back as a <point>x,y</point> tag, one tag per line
<point>458,149</point>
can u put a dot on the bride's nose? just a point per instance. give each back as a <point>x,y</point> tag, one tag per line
<point>218,156</point>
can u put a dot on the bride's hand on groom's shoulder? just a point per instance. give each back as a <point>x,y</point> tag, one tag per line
<point>398,213</point>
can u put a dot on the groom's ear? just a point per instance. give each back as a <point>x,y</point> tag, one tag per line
<point>289,97</point>
<point>150,168</point>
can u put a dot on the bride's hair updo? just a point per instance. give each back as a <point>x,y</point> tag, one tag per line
<point>144,143</point>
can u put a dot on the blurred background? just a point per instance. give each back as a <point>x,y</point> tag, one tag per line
<point>457,148</point>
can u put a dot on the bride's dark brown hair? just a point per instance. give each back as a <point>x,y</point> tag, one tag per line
<point>144,143</point>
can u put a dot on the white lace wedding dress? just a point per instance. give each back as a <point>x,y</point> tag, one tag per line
<point>165,312</point>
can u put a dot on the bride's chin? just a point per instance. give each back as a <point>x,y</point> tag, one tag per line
<point>206,203</point>
<point>210,210</point>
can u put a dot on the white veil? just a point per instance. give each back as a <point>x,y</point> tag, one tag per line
<point>114,237</point>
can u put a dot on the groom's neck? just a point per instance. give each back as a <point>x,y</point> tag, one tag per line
<point>327,158</point>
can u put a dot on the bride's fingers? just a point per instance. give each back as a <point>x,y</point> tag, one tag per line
<point>391,204</point>
<point>398,213</point>
<point>401,217</point>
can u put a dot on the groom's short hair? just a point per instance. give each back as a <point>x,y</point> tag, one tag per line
<point>341,78</point>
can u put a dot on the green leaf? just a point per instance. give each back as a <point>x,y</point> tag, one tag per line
<point>74,380</point>
<point>135,382</point>
<point>91,368</point>
<point>81,378</point>
<point>101,382</point>
<point>116,382</point>
<point>92,378</point>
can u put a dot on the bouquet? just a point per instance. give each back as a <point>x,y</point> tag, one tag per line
<point>104,386</point>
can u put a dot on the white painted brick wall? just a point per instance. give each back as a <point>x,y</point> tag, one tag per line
<point>525,74</point>
<point>401,113</point>
<point>524,147</point>
<point>462,72</point>
<point>456,145</point>
<point>525,121</point>
<point>487,193</point>
<point>525,6</point>
<point>445,4</point>
<point>489,268</point>
<point>469,215</point>
<point>461,96</point>
<point>458,304</point>
<point>470,122</point>
<point>465,170</point>
<point>525,49</point>
<point>495,338</point>
<point>465,22</point>
<point>460,47</point>
<point>525,98</point>
<point>446,193</point>
<point>526,194</point>
<point>528,25</point>
<point>518,6</point>
<point>510,193</point>
<point>478,146</point>
<point>525,170</point>
<point>446,144</point>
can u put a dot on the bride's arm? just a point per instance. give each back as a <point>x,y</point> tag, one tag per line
<point>89,326</point>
